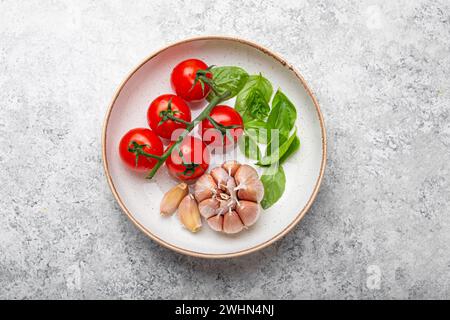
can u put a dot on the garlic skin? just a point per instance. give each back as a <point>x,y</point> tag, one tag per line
<point>248,211</point>
<point>231,166</point>
<point>231,189</point>
<point>216,222</point>
<point>220,177</point>
<point>244,174</point>
<point>232,223</point>
<point>172,198</point>
<point>205,187</point>
<point>208,207</point>
<point>253,191</point>
<point>223,207</point>
<point>229,197</point>
<point>189,214</point>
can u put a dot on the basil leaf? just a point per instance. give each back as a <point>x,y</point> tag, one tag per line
<point>283,115</point>
<point>252,102</point>
<point>273,156</point>
<point>249,146</point>
<point>281,140</point>
<point>228,78</point>
<point>274,182</point>
<point>256,124</point>
<point>257,108</point>
<point>257,129</point>
<point>293,148</point>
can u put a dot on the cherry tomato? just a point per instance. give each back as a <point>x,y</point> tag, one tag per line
<point>184,81</point>
<point>160,111</point>
<point>227,117</point>
<point>189,161</point>
<point>136,143</point>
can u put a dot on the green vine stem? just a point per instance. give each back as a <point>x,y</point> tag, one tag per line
<point>190,125</point>
<point>201,77</point>
<point>175,119</point>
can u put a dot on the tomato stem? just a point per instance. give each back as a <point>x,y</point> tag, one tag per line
<point>203,115</point>
<point>170,114</point>
<point>138,150</point>
<point>175,119</point>
<point>200,77</point>
<point>224,130</point>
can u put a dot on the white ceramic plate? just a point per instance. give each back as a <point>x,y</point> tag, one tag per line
<point>140,198</point>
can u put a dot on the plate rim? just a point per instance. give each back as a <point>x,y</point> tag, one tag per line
<point>262,245</point>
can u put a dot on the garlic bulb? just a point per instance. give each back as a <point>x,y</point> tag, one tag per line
<point>229,197</point>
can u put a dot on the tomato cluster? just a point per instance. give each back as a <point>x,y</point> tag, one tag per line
<point>169,115</point>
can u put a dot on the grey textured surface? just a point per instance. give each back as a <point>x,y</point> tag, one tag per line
<point>380,225</point>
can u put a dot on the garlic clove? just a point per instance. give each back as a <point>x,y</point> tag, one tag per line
<point>204,187</point>
<point>248,212</point>
<point>253,190</point>
<point>231,186</point>
<point>216,222</point>
<point>189,214</point>
<point>172,198</point>
<point>220,176</point>
<point>245,173</point>
<point>223,207</point>
<point>232,223</point>
<point>208,207</point>
<point>231,166</point>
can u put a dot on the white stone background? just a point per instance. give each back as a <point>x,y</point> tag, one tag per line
<point>380,225</point>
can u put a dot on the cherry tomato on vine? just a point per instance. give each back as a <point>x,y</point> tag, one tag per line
<point>136,145</point>
<point>189,161</point>
<point>190,80</point>
<point>161,112</point>
<point>230,126</point>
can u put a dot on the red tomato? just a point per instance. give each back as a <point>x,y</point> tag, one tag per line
<point>136,142</point>
<point>226,116</point>
<point>189,161</point>
<point>159,110</point>
<point>184,76</point>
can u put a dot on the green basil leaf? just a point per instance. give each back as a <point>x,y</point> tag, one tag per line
<point>252,102</point>
<point>256,124</point>
<point>293,148</point>
<point>249,147</point>
<point>273,156</point>
<point>274,182</point>
<point>283,115</point>
<point>257,129</point>
<point>228,78</point>
<point>257,107</point>
<point>281,140</point>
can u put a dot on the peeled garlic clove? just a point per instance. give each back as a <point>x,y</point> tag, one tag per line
<point>171,200</point>
<point>216,222</point>
<point>252,190</point>
<point>204,187</point>
<point>220,176</point>
<point>189,214</point>
<point>245,173</point>
<point>232,223</point>
<point>208,207</point>
<point>231,167</point>
<point>248,212</point>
